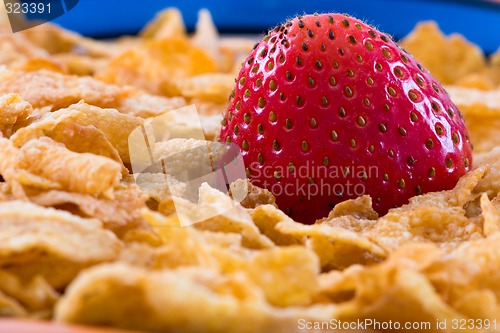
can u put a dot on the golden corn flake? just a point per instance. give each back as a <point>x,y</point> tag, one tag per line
<point>288,276</point>
<point>222,251</point>
<point>211,125</point>
<point>458,197</point>
<point>491,215</point>
<point>9,307</point>
<point>194,299</point>
<point>16,48</point>
<point>166,24</point>
<point>490,184</point>
<point>266,218</point>
<point>480,303</point>
<point>14,110</point>
<point>83,173</point>
<point>476,81</point>
<point>397,294</point>
<point>355,215</point>
<point>160,188</point>
<point>447,58</point>
<point>8,167</point>
<point>48,88</point>
<point>256,196</point>
<point>495,58</point>
<point>476,102</point>
<point>37,64</point>
<point>50,243</point>
<point>187,154</point>
<point>119,214</point>
<point>208,87</point>
<point>446,227</point>
<point>359,208</point>
<point>226,216</point>
<point>56,40</point>
<point>394,290</point>
<point>481,110</point>
<point>416,256</point>
<point>338,286</point>
<point>182,247</point>
<point>158,64</point>
<point>81,139</point>
<point>55,90</point>
<point>437,217</point>
<point>471,270</point>
<point>233,52</point>
<point>3,192</point>
<point>81,65</point>
<point>336,247</point>
<point>206,35</point>
<point>145,106</point>
<point>187,247</point>
<point>66,126</point>
<point>34,295</point>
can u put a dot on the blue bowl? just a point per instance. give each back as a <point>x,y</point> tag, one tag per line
<point>478,21</point>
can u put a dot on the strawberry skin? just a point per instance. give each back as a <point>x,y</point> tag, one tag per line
<point>326,108</point>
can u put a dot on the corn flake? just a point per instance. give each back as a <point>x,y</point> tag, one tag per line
<point>207,87</point>
<point>288,276</point>
<point>490,184</point>
<point>158,64</point>
<point>9,307</point>
<point>336,247</point>
<point>85,128</point>
<point>35,295</point>
<point>167,23</point>
<point>47,88</point>
<point>119,215</point>
<point>71,171</point>
<point>14,110</point>
<point>229,217</point>
<point>256,196</point>
<point>266,218</point>
<point>196,299</point>
<point>471,270</point>
<point>8,168</point>
<point>447,58</point>
<point>399,295</point>
<point>481,110</point>
<point>50,243</point>
<point>491,215</point>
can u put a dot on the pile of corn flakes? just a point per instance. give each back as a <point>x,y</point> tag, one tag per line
<point>80,242</point>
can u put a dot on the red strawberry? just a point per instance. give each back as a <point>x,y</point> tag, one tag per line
<point>327,108</point>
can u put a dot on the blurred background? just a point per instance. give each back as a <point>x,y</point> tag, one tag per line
<point>477,20</point>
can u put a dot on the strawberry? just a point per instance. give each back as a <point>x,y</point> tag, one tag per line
<point>326,108</point>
